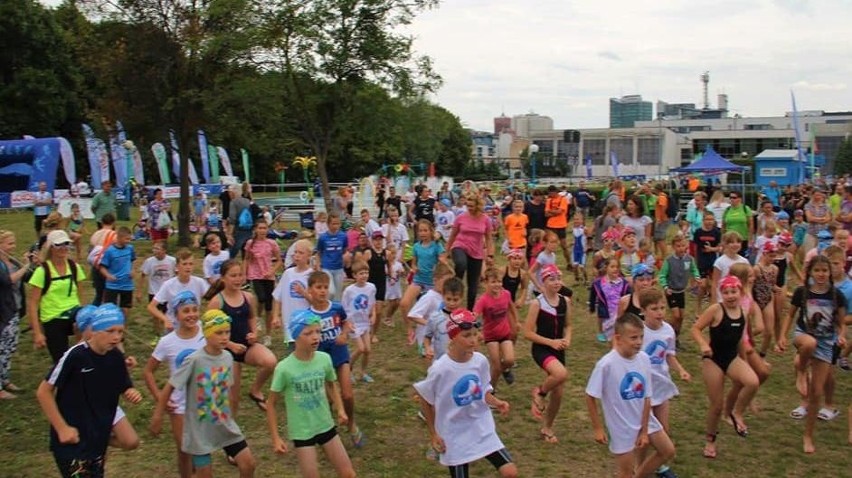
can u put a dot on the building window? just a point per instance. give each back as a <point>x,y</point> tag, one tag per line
<point>649,151</point>
<point>596,148</point>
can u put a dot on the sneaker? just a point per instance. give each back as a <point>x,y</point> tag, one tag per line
<point>666,473</point>
<point>267,341</point>
<point>844,363</point>
<point>601,337</point>
<point>509,376</point>
<point>367,378</point>
<point>352,379</point>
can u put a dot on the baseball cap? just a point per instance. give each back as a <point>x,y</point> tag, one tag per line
<point>377,235</point>
<point>58,238</point>
<point>459,320</point>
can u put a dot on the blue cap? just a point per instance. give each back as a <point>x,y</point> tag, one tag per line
<point>641,269</point>
<point>824,235</point>
<point>84,317</point>
<point>446,202</point>
<point>299,320</point>
<point>783,215</point>
<point>183,298</point>
<point>107,315</point>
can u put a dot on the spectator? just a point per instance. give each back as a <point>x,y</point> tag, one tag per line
<point>42,202</point>
<point>104,202</point>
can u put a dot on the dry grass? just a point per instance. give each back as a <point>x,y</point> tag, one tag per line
<point>397,440</point>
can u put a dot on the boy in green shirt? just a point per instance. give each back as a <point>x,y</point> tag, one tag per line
<point>307,379</point>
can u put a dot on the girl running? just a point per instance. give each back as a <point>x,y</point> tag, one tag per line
<point>393,292</point>
<point>720,358</point>
<point>548,327</point>
<point>227,295</point>
<point>515,277</point>
<point>262,261</point>
<point>427,253</point>
<point>578,250</point>
<point>606,294</point>
<point>643,279</point>
<point>499,326</point>
<point>765,284</point>
<point>543,259</point>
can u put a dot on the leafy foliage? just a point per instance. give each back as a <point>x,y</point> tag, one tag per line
<point>843,162</point>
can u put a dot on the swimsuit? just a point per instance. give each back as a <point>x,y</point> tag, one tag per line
<point>550,323</point>
<point>632,309</point>
<point>762,291</point>
<point>725,339</point>
<point>512,283</point>
<point>240,316</point>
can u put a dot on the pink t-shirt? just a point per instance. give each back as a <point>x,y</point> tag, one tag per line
<point>495,315</point>
<point>262,257</point>
<point>471,233</point>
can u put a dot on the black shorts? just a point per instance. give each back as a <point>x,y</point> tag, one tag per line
<point>676,300</point>
<point>542,355</point>
<point>263,290</point>
<point>498,459</point>
<point>74,467</point>
<point>559,231</point>
<point>121,298</point>
<point>320,439</point>
<point>234,449</point>
<point>161,307</point>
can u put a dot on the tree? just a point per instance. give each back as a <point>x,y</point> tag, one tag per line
<point>843,161</point>
<point>336,46</point>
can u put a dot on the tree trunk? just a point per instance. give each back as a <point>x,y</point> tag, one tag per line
<point>183,203</point>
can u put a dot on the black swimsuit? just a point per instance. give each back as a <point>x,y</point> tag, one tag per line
<point>512,283</point>
<point>240,316</point>
<point>725,339</point>
<point>632,309</point>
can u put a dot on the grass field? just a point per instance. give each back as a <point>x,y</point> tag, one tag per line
<point>397,440</point>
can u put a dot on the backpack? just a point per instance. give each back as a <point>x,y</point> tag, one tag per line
<point>97,252</point>
<point>72,266</point>
<point>245,221</point>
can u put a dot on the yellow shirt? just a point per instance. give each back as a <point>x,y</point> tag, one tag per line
<point>62,294</point>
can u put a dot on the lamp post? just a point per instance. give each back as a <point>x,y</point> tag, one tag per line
<point>533,152</point>
<point>660,133</point>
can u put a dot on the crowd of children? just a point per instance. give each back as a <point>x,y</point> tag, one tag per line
<point>331,295</point>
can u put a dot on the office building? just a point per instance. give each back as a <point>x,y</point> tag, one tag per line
<point>624,112</point>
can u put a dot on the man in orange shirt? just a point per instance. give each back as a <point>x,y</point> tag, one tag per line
<point>662,221</point>
<point>556,212</point>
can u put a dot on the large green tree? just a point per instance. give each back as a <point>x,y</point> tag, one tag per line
<point>843,161</point>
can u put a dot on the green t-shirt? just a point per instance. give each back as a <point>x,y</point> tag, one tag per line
<point>834,202</point>
<point>736,219</point>
<point>649,202</point>
<point>103,204</point>
<point>303,386</point>
<point>62,294</point>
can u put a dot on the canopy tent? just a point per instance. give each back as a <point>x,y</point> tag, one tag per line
<point>26,162</point>
<point>710,163</point>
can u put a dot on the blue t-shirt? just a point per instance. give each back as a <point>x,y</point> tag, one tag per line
<point>427,257</point>
<point>119,262</point>
<point>845,288</point>
<point>331,323</point>
<point>773,194</point>
<point>331,248</point>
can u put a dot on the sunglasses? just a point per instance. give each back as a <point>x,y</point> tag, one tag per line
<point>64,245</point>
<point>464,325</point>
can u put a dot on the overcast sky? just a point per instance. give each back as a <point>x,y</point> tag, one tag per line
<point>565,58</point>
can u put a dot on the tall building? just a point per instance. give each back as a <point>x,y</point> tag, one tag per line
<point>502,123</point>
<point>627,110</point>
<point>526,125</point>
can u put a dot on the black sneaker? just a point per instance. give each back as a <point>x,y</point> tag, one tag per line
<point>667,473</point>
<point>509,376</point>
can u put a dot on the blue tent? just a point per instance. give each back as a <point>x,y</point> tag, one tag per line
<point>26,162</point>
<point>710,163</point>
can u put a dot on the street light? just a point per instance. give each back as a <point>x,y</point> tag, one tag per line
<point>533,152</point>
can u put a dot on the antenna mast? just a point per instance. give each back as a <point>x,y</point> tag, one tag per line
<point>705,79</point>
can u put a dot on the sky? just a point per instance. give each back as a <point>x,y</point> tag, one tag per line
<point>566,58</point>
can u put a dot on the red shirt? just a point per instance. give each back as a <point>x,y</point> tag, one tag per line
<point>495,315</point>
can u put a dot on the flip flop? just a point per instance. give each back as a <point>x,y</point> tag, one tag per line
<point>711,454</point>
<point>741,430</point>
<point>828,414</point>
<point>260,402</point>
<point>548,437</point>
<point>799,413</point>
<point>357,438</point>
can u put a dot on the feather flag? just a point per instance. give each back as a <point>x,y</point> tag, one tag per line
<point>245,164</point>
<point>801,154</point>
<point>214,163</point>
<point>193,175</point>
<point>98,158</point>
<point>118,154</point>
<point>588,165</point>
<point>160,157</point>
<point>202,148</point>
<point>613,159</point>
<point>225,160</point>
<point>67,155</point>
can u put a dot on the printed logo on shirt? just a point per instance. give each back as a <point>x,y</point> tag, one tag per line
<point>182,355</point>
<point>330,327</point>
<point>211,397</point>
<point>87,370</point>
<point>361,302</point>
<point>294,294</point>
<point>309,387</point>
<point>467,390</point>
<point>632,386</point>
<point>162,273</point>
<point>656,350</point>
<point>217,267</point>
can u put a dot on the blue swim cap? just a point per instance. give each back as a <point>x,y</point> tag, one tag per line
<point>107,315</point>
<point>84,317</point>
<point>783,215</point>
<point>299,320</point>
<point>641,269</point>
<point>184,297</point>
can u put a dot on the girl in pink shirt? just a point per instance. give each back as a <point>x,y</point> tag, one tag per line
<point>469,243</point>
<point>260,266</point>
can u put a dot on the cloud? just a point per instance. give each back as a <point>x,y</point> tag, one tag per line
<point>609,55</point>
<point>806,85</point>
<point>795,6</point>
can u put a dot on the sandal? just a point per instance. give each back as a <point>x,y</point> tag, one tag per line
<point>4,395</point>
<point>828,414</point>
<point>741,429</point>
<point>538,405</point>
<point>11,387</point>
<point>259,401</point>
<point>357,438</point>
<point>710,453</point>
<point>799,413</point>
<point>548,436</point>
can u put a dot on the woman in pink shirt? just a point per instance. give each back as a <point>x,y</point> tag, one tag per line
<point>261,263</point>
<point>469,242</point>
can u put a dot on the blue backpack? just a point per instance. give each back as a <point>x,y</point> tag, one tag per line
<point>244,221</point>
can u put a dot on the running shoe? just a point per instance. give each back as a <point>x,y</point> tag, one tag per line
<point>601,337</point>
<point>844,363</point>
<point>367,378</point>
<point>509,376</point>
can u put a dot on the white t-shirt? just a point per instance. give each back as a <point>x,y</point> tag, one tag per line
<point>172,349</point>
<point>358,302</point>
<point>462,418</point>
<point>291,301</point>
<point>431,303</point>
<point>393,283</point>
<point>371,227</point>
<point>658,345</point>
<point>212,264</point>
<point>622,385</point>
<point>396,235</point>
<point>761,241</point>
<point>158,272</point>
<point>174,286</point>
<point>723,264</point>
<point>444,223</point>
<point>638,224</point>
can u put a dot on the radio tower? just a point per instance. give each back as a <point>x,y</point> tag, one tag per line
<point>705,79</point>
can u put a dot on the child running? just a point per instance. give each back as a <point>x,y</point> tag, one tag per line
<point>514,277</point>
<point>427,253</point>
<point>229,297</point>
<point>376,257</point>
<point>158,268</point>
<point>209,425</point>
<point>731,242</point>
<point>173,349</point>
<point>606,295</point>
<point>706,240</point>
<point>331,248</point>
<point>214,259</point>
<point>720,358</point>
<point>290,294</point>
<point>117,268</point>
<point>435,338</point>
<point>393,291</point>
<point>499,326</point>
<point>455,398</point>
<point>307,380</point>
<point>819,311</point>
<point>430,303</point>
<point>184,280</point>
<point>578,250</point>
<point>763,290</point>
<point>80,396</point>
<point>623,382</point>
<point>659,343</point>
<point>262,263</point>
<point>359,303</point>
<point>676,274</point>
<point>548,327</point>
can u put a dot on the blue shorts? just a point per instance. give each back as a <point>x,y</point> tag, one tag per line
<point>339,353</point>
<point>579,257</point>
<point>825,347</point>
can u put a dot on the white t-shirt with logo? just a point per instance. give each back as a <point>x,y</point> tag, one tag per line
<point>291,301</point>
<point>172,349</point>
<point>659,345</point>
<point>622,385</point>
<point>358,302</point>
<point>431,303</point>
<point>172,287</point>
<point>158,272</point>
<point>212,265</point>
<point>444,223</point>
<point>462,418</point>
